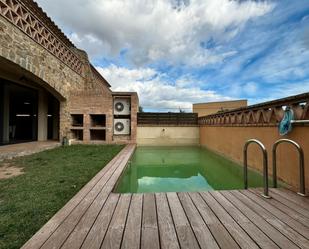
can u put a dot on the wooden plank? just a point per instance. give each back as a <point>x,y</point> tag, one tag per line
<point>204,210</point>
<point>297,226</point>
<point>254,232</point>
<point>263,225</point>
<point>63,231</point>
<point>239,235</point>
<point>290,233</point>
<point>121,166</point>
<point>222,236</point>
<point>45,232</point>
<point>288,202</point>
<point>292,196</point>
<point>150,232</point>
<point>168,236</point>
<point>132,233</point>
<point>99,228</point>
<point>201,231</point>
<point>81,230</point>
<point>76,238</point>
<point>290,212</point>
<point>285,229</point>
<point>183,229</point>
<point>115,230</point>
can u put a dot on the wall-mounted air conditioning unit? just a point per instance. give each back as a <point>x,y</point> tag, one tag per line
<point>122,126</point>
<point>122,106</point>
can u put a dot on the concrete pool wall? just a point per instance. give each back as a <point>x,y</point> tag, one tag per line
<point>168,135</point>
<point>226,141</point>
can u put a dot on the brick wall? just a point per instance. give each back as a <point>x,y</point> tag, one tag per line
<point>86,93</point>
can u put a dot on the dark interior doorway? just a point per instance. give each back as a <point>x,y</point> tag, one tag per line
<point>19,110</point>
<point>23,109</point>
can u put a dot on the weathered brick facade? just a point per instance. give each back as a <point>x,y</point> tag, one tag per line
<point>57,70</point>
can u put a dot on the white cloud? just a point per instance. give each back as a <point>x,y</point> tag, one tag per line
<point>285,63</point>
<point>154,30</point>
<point>154,91</point>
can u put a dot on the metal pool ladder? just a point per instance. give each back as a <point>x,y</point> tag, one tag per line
<point>265,166</point>
<point>302,190</point>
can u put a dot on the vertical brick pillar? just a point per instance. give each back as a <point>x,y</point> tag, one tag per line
<point>86,127</point>
<point>134,110</point>
<point>65,121</point>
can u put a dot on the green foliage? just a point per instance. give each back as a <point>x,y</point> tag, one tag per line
<point>51,179</point>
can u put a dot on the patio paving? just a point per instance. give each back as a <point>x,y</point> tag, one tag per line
<point>22,149</point>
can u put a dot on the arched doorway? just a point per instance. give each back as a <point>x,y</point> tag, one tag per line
<point>27,113</point>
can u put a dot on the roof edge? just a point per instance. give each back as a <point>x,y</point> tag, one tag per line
<point>99,76</point>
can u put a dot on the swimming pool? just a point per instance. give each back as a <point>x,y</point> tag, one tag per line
<point>181,169</point>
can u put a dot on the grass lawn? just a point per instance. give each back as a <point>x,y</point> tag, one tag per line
<point>51,179</point>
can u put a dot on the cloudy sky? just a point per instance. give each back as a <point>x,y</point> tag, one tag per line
<point>178,52</point>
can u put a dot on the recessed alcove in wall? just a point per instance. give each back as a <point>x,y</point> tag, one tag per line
<point>98,120</point>
<point>99,135</point>
<point>77,120</point>
<point>78,134</point>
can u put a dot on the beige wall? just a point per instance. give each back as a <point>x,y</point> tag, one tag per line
<point>167,135</point>
<point>203,109</point>
<point>229,141</point>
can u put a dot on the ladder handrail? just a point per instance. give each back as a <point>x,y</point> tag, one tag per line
<point>302,189</point>
<point>265,165</point>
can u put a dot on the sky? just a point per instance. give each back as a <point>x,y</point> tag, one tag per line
<point>178,52</point>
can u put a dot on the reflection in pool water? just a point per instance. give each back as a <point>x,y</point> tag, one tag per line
<point>178,169</point>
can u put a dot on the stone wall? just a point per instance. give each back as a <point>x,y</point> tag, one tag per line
<point>56,77</point>
<point>19,48</point>
<point>86,92</point>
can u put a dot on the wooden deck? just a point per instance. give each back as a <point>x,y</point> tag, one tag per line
<point>98,218</point>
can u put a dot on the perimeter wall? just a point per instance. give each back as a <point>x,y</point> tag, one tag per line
<point>229,141</point>
<point>167,129</point>
<point>168,135</point>
<point>227,133</point>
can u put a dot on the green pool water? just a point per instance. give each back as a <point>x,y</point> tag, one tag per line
<point>181,169</point>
